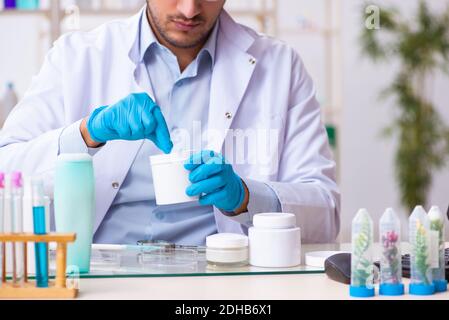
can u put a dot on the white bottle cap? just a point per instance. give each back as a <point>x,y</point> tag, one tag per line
<point>227,241</point>
<point>274,221</point>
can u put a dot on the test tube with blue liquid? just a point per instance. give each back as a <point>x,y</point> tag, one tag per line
<point>40,229</point>
<point>362,267</point>
<point>391,259</point>
<point>437,225</point>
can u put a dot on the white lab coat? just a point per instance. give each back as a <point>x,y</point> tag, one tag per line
<point>258,82</point>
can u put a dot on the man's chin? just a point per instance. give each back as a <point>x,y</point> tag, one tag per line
<point>185,43</point>
<point>185,40</point>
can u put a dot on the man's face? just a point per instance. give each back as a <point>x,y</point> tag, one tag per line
<point>184,23</point>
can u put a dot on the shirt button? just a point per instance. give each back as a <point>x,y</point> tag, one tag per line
<point>252,60</point>
<point>115,185</point>
<point>228,115</point>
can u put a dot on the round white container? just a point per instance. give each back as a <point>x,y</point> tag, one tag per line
<point>170,178</point>
<point>274,241</point>
<point>227,249</point>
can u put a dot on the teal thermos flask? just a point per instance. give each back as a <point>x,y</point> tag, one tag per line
<point>74,203</point>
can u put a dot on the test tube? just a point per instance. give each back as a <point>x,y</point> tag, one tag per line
<point>362,268</point>
<point>17,225</point>
<point>8,225</point>
<point>2,229</point>
<point>421,273</point>
<point>391,260</point>
<point>437,225</point>
<point>41,249</point>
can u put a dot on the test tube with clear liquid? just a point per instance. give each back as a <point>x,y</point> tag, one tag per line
<point>2,219</point>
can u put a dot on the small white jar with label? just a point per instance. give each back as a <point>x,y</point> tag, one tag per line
<point>227,250</point>
<point>274,241</point>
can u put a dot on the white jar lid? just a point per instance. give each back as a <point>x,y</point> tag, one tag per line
<point>227,241</point>
<point>170,158</point>
<point>274,220</point>
<point>74,157</point>
<point>318,258</point>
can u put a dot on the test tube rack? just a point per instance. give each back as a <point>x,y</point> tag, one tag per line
<point>57,289</point>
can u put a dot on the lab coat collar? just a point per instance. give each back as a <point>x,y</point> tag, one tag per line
<point>235,33</point>
<point>233,69</point>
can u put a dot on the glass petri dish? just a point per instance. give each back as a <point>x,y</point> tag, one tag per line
<point>169,260</point>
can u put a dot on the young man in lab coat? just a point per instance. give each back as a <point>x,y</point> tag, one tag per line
<point>130,89</point>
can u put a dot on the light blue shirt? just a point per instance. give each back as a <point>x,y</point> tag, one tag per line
<point>184,100</point>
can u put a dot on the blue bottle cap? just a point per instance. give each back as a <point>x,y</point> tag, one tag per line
<point>361,292</point>
<point>391,289</point>
<point>440,285</point>
<point>422,289</point>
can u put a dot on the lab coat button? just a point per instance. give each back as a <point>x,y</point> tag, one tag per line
<point>115,185</point>
<point>160,216</point>
<point>228,115</point>
<point>252,60</point>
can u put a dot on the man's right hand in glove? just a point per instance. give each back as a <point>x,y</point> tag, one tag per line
<point>135,117</point>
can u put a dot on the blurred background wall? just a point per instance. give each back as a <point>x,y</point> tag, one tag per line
<point>326,34</point>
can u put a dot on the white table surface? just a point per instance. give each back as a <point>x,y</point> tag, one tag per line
<point>251,287</point>
<point>265,287</point>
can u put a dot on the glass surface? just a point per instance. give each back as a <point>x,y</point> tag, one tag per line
<point>132,262</point>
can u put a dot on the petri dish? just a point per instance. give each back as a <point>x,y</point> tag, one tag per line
<point>169,260</point>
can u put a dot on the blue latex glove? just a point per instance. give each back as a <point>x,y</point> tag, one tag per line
<point>214,181</point>
<point>135,117</point>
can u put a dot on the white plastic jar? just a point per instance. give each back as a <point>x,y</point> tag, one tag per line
<point>170,178</point>
<point>227,250</point>
<point>274,241</point>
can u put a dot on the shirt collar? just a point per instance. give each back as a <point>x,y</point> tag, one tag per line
<point>148,39</point>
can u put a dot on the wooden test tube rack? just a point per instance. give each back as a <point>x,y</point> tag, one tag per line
<point>57,288</point>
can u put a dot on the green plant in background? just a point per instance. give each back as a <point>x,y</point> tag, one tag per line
<point>362,268</point>
<point>421,252</point>
<point>421,46</point>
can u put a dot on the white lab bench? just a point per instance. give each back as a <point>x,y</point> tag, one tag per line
<point>264,287</point>
<point>235,287</point>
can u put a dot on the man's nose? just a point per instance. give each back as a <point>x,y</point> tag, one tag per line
<point>189,8</point>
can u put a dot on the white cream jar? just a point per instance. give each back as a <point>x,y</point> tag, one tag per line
<point>227,250</point>
<point>274,241</point>
<point>170,178</point>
